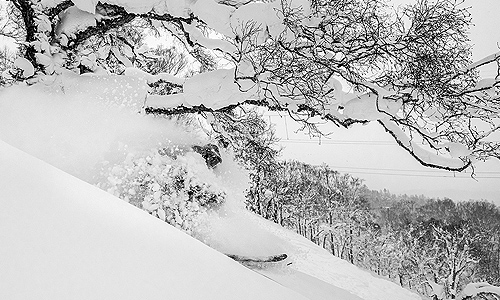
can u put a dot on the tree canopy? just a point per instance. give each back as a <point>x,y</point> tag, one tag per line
<point>345,61</point>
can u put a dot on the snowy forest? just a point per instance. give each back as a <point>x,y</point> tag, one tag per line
<point>176,128</point>
<point>419,242</point>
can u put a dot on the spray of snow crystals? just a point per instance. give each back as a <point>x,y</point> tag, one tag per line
<point>175,187</point>
<point>89,126</point>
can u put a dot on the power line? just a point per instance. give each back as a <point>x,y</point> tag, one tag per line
<point>422,175</point>
<point>377,171</point>
<point>404,170</point>
<point>328,141</point>
<point>339,142</point>
<point>286,128</point>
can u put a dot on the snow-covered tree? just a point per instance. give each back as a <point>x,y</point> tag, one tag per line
<point>382,253</point>
<point>344,61</point>
<point>6,61</point>
<point>455,262</point>
<point>483,219</point>
<point>254,144</point>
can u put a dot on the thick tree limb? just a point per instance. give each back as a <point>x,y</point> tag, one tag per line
<point>29,15</point>
<point>119,17</point>
<point>56,10</point>
<point>301,108</point>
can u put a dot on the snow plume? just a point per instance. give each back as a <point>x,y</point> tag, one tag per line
<point>166,186</point>
<point>239,232</point>
<point>90,127</point>
<point>76,126</point>
<point>176,186</point>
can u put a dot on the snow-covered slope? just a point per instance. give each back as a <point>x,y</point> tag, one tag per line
<point>312,271</point>
<point>61,238</point>
<point>311,259</point>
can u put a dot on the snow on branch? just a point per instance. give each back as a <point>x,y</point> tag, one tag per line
<point>478,288</point>
<point>150,78</point>
<point>347,62</point>
<point>484,61</point>
<point>424,157</point>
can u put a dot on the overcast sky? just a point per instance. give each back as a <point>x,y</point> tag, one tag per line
<point>367,152</point>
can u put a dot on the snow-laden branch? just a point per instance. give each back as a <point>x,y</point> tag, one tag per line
<point>484,61</point>
<point>424,157</point>
<point>479,288</point>
<point>298,56</point>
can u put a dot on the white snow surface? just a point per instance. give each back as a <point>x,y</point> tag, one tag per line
<point>370,107</point>
<point>307,285</point>
<point>65,239</point>
<point>210,43</point>
<point>457,150</point>
<point>74,20</point>
<point>215,89</point>
<point>261,15</point>
<point>150,78</point>
<point>215,14</point>
<point>25,65</point>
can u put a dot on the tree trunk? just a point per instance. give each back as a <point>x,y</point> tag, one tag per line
<point>350,252</point>
<point>281,215</point>
<point>332,247</point>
